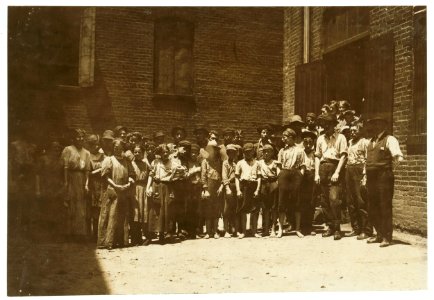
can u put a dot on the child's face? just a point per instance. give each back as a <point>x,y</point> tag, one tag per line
<point>93,147</point>
<point>248,154</point>
<point>179,135</point>
<point>308,142</point>
<point>118,149</point>
<point>310,121</point>
<point>165,154</point>
<point>138,153</point>
<point>264,133</point>
<point>288,140</point>
<point>150,150</point>
<point>354,132</point>
<point>194,155</point>
<point>268,154</point>
<point>232,155</point>
<point>228,138</point>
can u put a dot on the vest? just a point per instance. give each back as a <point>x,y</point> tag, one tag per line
<point>379,156</point>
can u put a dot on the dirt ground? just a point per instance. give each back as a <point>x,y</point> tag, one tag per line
<point>217,266</point>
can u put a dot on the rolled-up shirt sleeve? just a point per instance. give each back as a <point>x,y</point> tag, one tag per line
<point>393,145</point>
<point>342,145</point>
<point>318,149</point>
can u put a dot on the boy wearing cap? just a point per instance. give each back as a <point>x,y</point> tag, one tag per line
<point>248,183</point>
<point>292,166</point>
<point>296,123</point>
<point>193,222</point>
<point>159,137</point>
<point>307,186</point>
<point>230,191</point>
<point>330,157</point>
<point>228,138</point>
<point>211,182</point>
<point>355,178</point>
<point>383,155</point>
<point>269,169</point>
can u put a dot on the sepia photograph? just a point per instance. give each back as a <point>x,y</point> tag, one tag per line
<point>216,149</point>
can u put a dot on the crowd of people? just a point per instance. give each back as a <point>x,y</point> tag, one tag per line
<point>125,189</point>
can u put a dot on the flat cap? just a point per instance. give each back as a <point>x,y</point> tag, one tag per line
<point>248,147</point>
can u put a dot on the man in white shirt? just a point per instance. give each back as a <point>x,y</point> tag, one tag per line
<point>383,154</point>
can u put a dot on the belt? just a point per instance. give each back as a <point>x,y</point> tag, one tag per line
<point>267,180</point>
<point>329,161</point>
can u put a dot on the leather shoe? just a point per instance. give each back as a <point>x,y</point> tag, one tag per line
<point>374,239</point>
<point>362,236</point>
<point>337,236</point>
<point>352,233</point>
<point>385,243</point>
<point>327,233</point>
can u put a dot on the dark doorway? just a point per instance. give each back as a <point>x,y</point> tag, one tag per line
<point>345,70</point>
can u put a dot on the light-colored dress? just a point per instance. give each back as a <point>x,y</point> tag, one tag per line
<point>113,220</point>
<point>78,163</point>
<point>140,207</point>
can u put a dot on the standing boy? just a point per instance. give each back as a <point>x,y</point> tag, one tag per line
<point>248,183</point>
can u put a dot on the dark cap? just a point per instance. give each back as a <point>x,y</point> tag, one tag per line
<point>200,129</point>
<point>266,127</point>
<point>93,138</point>
<point>108,135</point>
<point>311,115</point>
<point>307,133</point>
<point>119,128</point>
<point>349,112</point>
<point>195,147</point>
<point>327,118</point>
<point>174,129</point>
<point>289,132</point>
<point>248,147</point>
<point>268,147</point>
<point>184,143</point>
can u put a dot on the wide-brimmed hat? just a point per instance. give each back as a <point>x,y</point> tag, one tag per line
<point>108,135</point>
<point>159,133</point>
<point>184,143</point>
<point>296,119</point>
<point>119,128</point>
<point>195,147</point>
<point>267,127</point>
<point>178,127</point>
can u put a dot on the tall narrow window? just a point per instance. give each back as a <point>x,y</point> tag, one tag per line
<point>173,67</point>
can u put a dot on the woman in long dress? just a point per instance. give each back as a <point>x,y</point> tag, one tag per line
<point>117,173</point>
<point>76,164</point>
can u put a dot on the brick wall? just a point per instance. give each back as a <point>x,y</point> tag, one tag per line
<point>237,71</point>
<point>292,55</point>
<point>410,210</point>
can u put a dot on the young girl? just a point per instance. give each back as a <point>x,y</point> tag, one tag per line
<point>269,190</point>
<point>211,182</point>
<point>117,173</point>
<point>291,160</point>
<point>248,183</point>
<point>230,200</point>
<point>160,192</point>
<point>139,220</point>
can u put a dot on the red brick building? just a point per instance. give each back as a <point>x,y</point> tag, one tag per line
<point>152,68</point>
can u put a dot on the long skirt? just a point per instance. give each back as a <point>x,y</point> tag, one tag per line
<point>77,213</point>
<point>113,219</point>
<point>160,208</point>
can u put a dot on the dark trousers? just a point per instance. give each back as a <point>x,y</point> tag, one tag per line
<point>181,192</point>
<point>331,199</point>
<point>247,204</point>
<point>357,205</point>
<point>230,207</point>
<point>192,209</point>
<point>270,200</point>
<point>289,183</point>
<point>380,184</point>
<point>306,194</point>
